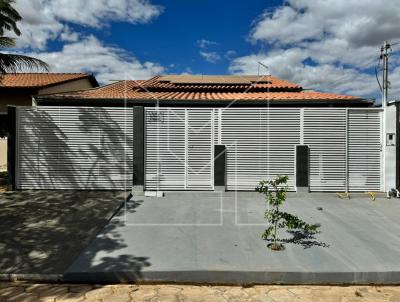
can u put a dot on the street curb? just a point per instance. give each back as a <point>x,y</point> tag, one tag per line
<point>214,278</point>
<point>41,278</point>
<point>237,277</point>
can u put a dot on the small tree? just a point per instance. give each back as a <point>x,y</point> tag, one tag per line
<point>275,194</point>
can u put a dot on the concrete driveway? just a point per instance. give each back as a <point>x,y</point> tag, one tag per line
<point>216,237</point>
<point>42,232</point>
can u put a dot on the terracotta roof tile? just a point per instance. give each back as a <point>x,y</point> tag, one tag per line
<point>219,83</point>
<point>145,90</point>
<point>38,80</point>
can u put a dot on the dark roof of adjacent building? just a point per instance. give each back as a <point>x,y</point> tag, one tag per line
<point>41,80</point>
<point>205,88</point>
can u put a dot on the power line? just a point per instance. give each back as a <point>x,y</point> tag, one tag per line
<point>376,72</point>
<point>395,43</point>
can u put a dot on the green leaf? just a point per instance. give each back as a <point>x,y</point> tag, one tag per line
<point>6,42</point>
<point>9,17</point>
<point>11,63</point>
<point>275,191</point>
<point>267,233</point>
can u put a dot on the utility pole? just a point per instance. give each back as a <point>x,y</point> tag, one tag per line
<point>385,56</point>
<point>386,121</point>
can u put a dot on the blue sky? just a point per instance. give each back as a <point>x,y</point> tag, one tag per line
<point>173,37</point>
<point>327,45</point>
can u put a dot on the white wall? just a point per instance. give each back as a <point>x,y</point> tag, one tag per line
<point>3,154</point>
<point>390,151</point>
<point>66,87</point>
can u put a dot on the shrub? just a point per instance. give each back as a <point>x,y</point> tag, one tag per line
<point>275,195</point>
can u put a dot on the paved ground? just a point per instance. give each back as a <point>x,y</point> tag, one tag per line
<point>209,237</point>
<point>3,181</point>
<point>42,232</point>
<point>165,293</point>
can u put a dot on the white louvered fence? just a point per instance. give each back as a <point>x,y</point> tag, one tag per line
<point>345,147</point>
<point>74,148</point>
<point>92,147</point>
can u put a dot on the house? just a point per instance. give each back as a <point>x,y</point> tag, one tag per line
<point>17,89</point>
<point>201,133</point>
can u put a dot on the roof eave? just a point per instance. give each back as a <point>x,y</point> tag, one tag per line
<point>90,77</point>
<point>180,102</point>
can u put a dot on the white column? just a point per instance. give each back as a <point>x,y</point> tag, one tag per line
<point>389,141</point>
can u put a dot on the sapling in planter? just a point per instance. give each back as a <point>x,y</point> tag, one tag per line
<point>275,195</point>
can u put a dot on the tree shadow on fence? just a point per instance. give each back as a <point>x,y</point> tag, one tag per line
<point>42,150</point>
<point>75,148</point>
<point>113,154</point>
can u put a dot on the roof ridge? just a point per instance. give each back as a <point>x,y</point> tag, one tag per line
<point>90,89</point>
<point>152,79</point>
<point>41,79</point>
<point>155,88</point>
<point>17,73</point>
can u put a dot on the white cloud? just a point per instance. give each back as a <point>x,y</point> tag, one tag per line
<point>204,44</point>
<point>210,56</point>
<point>394,80</point>
<point>289,64</point>
<point>69,36</point>
<point>96,13</point>
<point>329,45</point>
<point>361,23</point>
<point>230,54</point>
<point>45,20</point>
<point>108,63</point>
<point>39,24</point>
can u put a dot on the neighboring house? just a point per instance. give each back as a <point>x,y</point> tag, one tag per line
<point>200,133</point>
<point>17,89</point>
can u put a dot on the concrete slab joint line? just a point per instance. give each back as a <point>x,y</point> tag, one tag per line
<point>189,237</point>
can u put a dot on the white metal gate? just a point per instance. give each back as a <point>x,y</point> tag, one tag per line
<point>165,153</point>
<point>364,150</point>
<point>200,149</point>
<point>345,146</point>
<point>179,149</point>
<point>260,144</point>
<point>74,148</point>
<point>325,134</point>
